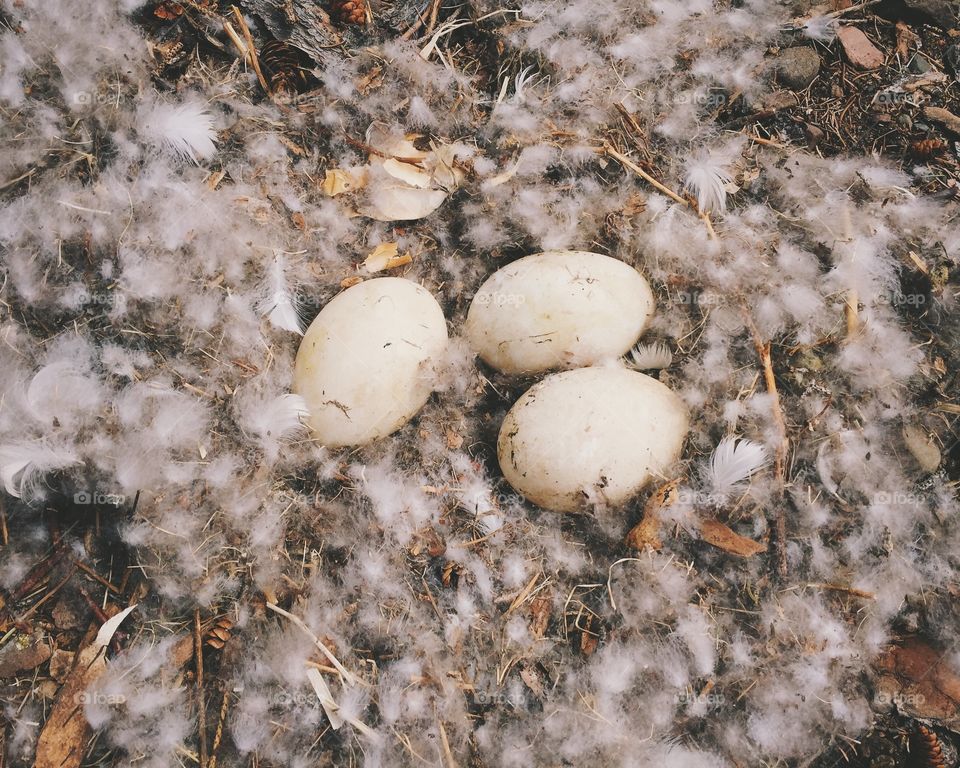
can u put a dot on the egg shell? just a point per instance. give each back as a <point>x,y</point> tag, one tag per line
<point>364,366</point>
<point>558,309</point>
<point>593,434</point>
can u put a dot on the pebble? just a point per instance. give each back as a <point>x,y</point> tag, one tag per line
<point>860,52</point>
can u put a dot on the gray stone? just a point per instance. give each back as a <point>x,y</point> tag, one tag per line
<point>940,12</point>
<point>797,67</point>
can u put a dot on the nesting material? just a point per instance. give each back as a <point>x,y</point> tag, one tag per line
<point>589,436</point>
<point>558,309</point>
<point>364,367</point>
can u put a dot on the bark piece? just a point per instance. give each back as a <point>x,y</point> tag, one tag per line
<point>719,535</point>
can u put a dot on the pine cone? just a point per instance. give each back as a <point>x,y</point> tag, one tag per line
<point>281,64</point>
<point>926,149</point>
<point>350,11</point>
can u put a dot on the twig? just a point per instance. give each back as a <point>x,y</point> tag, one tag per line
<point>852,312</point>
<point>224,705</point>
<point>841,588</point>
<point>201,705</point>
<point>445,743</point>
<point>780,455</point>
<point>252,49</point>
<point>626,162</point>
<point>236,40</point>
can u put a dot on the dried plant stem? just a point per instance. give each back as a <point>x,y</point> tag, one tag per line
<point>626,162</point>
<point>224,706</point>
<point>780,455</point>
<point>251,49</point>
<point>201,705</point>
<point>851,312</point>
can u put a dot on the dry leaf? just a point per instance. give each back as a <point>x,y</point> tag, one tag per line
<point>386,256</point>
<point>719,535</point>
<point>338,181</point>
<point>63,740</point>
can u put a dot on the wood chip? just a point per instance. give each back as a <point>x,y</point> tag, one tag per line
<point>719,535</point>
<point>540,609</point>
<point>943,116</point>
<point>859,50</point>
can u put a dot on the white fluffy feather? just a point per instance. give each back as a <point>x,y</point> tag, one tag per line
<point>278,306</point>
<point>185,130</point>
<point>707,181</point>
<point>22,465</point>
<point>733,461</point>
<point>646,357</point>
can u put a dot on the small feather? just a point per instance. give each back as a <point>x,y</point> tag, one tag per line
<point>278,306</point>
<point>707,181</point>
<point>22,464</point>
<point>821,28</point>
<point>186,130</point>
<point>279,417</point>
<point>733,461</point>
<point>646,357</point>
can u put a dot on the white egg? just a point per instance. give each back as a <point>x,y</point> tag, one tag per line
<point>590,435</point>
<point>558,309</point>
<point>364,366</point>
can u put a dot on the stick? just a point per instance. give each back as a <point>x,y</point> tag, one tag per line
<point>251,48</point>
<point>219,733</point>
<point>627,163</point>
<point>780,456</point>
<point>201,706</point>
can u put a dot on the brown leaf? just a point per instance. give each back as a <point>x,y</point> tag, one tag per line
<point>719,535</point>
<point>918,679</point>
<point>64,736</point>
